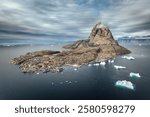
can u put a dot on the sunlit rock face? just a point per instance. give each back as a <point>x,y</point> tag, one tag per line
<point>102,38</point>
<point>100,46</point>
<point>101,35</point>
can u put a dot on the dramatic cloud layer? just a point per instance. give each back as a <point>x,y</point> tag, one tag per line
<point>72,18</point>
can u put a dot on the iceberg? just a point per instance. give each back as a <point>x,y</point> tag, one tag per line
<point>96,64</point>
<point>76,65</point>
<point>89,65</point>
<point>128,57</point>
<point>124,84</point>
<point>37,73</point>
<point>134,75</point>
<point>102,63</point>
<point>119,67</point>
<point>75,69</point>
<point>111,61</point>
<point>140,44</point>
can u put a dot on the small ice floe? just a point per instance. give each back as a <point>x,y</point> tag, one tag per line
<point>134,75</point>
<point>89,65</point>
<point>52,83</point>
<point>75,69</point>
<point>61,83</point>
<point>111,61</point>
<point>128,57</point>
<point>37,73</point>
<point>119,67</point>
<point>96,64</point>
<point>76,65</point>
<point>124,84</point>
<point>140,44</point>
<point>102,63</point>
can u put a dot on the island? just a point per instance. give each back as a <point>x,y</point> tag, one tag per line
<point>99,47</point>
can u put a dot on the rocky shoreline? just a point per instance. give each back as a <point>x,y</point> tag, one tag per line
<point>99,47</point>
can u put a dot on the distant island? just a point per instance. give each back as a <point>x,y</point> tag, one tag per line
<point>135,40</point>
<point>99,47</point>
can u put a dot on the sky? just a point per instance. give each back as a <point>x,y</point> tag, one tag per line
<point>72,19</point>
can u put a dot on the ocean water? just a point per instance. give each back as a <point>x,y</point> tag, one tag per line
<point>95,82</point>
<point>31,42</point>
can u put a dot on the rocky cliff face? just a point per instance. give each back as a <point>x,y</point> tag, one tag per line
<point>102,38</point>
<point>101,35</point>
<point>100,46</point>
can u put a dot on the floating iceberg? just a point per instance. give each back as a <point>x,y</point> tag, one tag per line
<point>37,73</point>
<point>128,57</point>
<point>134,75</point>
<point>76,65</point>
<point>111,61</point>
<point>140,44</point>
<point>119,67</point>
<point>96,64</point>
<point>75,69</point>
<point>89,65</point>
<point>124,84</point>
<point>102,63</point>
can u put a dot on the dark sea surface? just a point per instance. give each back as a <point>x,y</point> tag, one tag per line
<point>95,82</point>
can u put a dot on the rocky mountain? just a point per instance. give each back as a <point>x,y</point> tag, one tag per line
<point>102,38</point>
<point>100,46</point>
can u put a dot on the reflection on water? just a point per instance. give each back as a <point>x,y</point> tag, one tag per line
<point>87,82</point>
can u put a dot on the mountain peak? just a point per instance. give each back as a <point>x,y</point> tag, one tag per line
<point>100,35</point>
<point>100,46</point>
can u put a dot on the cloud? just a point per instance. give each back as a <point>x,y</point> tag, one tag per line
<point>73,18</point>
<point>129,18</point>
